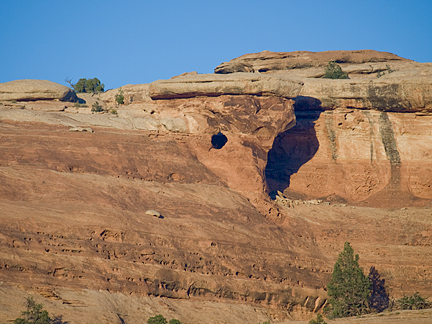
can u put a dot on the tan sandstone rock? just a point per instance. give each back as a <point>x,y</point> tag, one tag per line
<point>211,85</point>
<point>267,61</point>
<point>404,85</point>
<point>27,90</point>
<point>132,93</point>
<point>385,94</point>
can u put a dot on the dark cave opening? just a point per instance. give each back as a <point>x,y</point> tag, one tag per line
<point>294,147</point>
<point>218,140</point>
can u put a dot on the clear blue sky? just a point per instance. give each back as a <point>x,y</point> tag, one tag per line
<point>132,42</point>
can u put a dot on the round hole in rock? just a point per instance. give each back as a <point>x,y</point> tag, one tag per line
<point>219,140</point>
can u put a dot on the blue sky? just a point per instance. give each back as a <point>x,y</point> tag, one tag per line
<point>132,42</point>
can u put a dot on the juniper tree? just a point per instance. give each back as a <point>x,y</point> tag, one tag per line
<point>349,288</point>
<point>35,314</point>
<point>334,71</point>
<point>379,299</point>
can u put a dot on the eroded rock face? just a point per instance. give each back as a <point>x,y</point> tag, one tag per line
<point>74,204</point>
<point>210,85</point>
<point>385,94</point>
<point>267,61</point>
<point>28,90</point>
<point>377,80</point>
<point>131,92</point>
<point>250,125</point>
<point>351,140</point>
<point>354,156</point>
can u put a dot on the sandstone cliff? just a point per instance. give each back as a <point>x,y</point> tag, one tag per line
<point>369,132</point>
<point>205,151</point>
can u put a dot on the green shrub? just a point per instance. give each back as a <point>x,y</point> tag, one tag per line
<point>174,321</point>
<point>96,107</point>
<point>87,85</point>
<point>158,319</point>
<point>413,302</point>
<point>349,288</point>
<point>319,320</point>
<point>389,69</point>
<point>334,71</point>
<point>119,97</point>
<point>113,111</point>
<point>77,104</point>
<point>35,314</point>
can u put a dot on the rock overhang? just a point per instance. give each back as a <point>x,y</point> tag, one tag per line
<point>212,85</point>
<point>30,90</point>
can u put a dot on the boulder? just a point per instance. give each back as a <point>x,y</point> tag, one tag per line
<point>211,85</point>
<point>29,90</point>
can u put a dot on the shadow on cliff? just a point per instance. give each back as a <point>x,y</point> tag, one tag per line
<point>294,147</point>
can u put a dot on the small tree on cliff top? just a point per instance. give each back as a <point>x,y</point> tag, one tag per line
<point>349,288</point>
<point>334,71</point>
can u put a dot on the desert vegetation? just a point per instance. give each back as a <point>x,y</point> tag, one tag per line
<point>159,319</point>
<point>334,71</point>
<point>119,97</point>
<point>35,314</point>
<point>96,107</point>
<point>87,85</point>
<point>352,293</point>
<point>349,288</point>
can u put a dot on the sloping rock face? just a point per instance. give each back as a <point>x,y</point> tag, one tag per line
<point>29,90</point>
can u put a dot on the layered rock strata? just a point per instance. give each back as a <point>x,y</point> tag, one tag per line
<point>356,140</point>
<point>211,85</point>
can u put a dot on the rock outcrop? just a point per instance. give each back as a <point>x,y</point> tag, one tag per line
<point>131,92</point>
<point>361,130</point>
<point>377,80</point>
<point>413,94</point>
<point>267,61</point>
<point>211,85</point>
<point>30,90</point>
<point>356,156</point>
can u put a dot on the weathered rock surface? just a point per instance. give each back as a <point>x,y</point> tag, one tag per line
<point>267,61</point>
<point>73,204</point>
<point>131,92</point>
<point>385,94</point>
<point>25,90</point>
<point>351,155</point>
<point>405,85</point>
<point>210,85</point>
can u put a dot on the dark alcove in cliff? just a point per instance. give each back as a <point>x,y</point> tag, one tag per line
<point>294,147</point>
